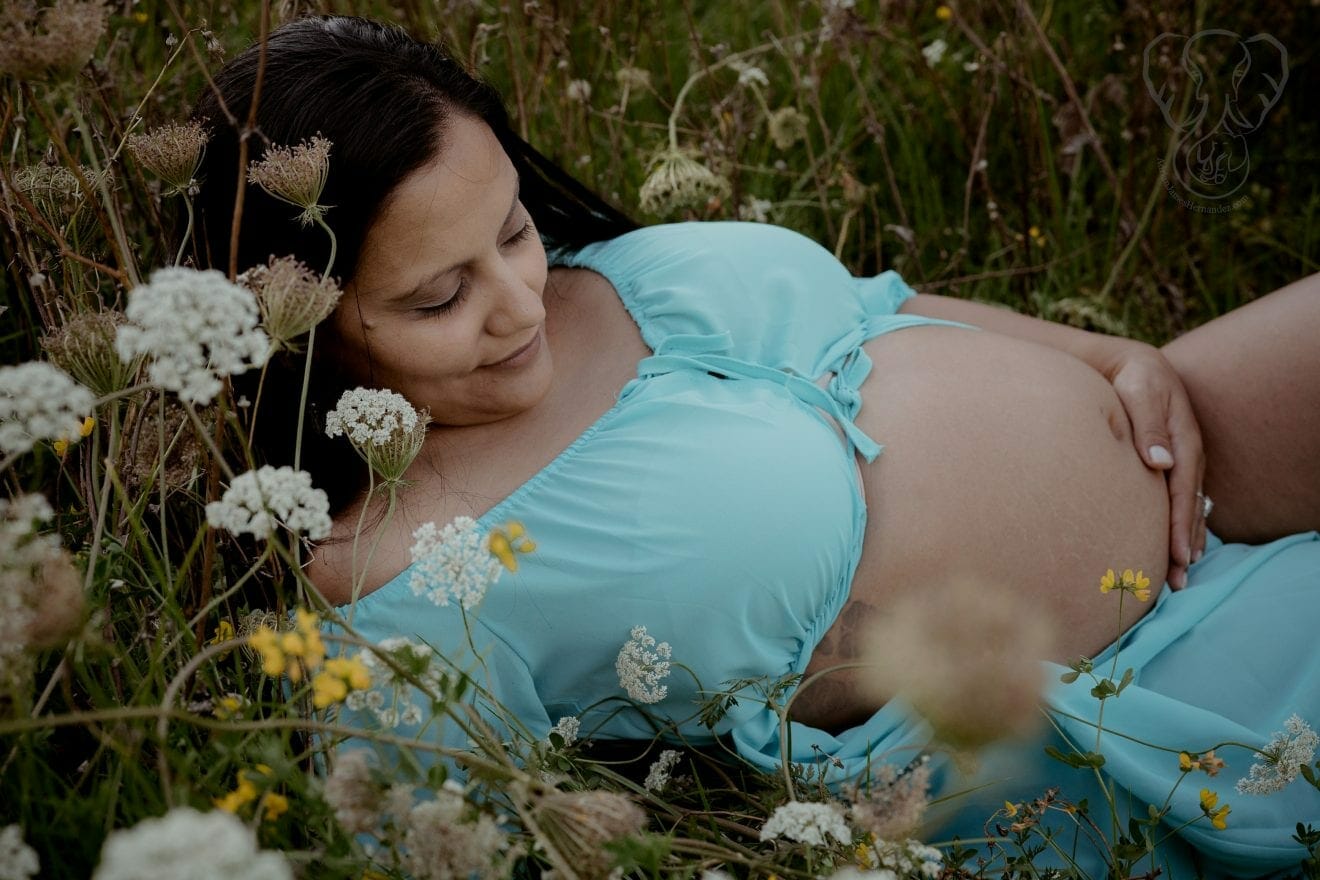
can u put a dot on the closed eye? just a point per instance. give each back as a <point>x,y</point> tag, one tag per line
<point>461,293</point>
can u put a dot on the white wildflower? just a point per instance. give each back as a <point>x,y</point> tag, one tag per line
<point>392,699</point>
<point>384,428</point>
<point>755,210</point>
<point>641,669</point>
<point>894,803</point>
<point>909,858</point>
<point>250,501</point>
<point>851,873</point>
<point>38,401</point>
<point>351,792</point>
<point>18,861</point>
<point>807,823</point>
<point>658,776</point>
<point>676,181</point>
<point>441,843</point>
<point>935,51</point>
<point>567,728</point>
<point>453,563</point>
<point>187,843</point>
<point>1284,756</point>
<point>749,75</point>
<point>578,90</point>
<point>194,326</point>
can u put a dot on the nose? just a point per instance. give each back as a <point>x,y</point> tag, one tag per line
<point>516,305</point>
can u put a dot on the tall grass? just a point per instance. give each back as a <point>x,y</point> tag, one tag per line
<point>1021,167</point>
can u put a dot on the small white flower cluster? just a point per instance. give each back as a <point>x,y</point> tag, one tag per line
<point>194,326</point>
<point>578,90</point>
<point>370,416</point>
<point>908,858</point>
<point>1285,753</point>
<point>38,401</point>
<point>23,553</point>
<point>351,792</point>
<point>749,74</point>
<point>851,873</point>
<point>755,210</point>
<point>288,494</point>
<point>441,845</point>
<point>935,52</point>
<point>658,776</point>
<point>453,563</point>
<point>18,861</point>
<point>567,728</point>
<point>391,699</point>
<point>807,822</point>
<point>187,843</point>
<point>641,669</point>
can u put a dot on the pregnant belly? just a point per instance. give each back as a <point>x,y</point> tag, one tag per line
<point>1004,460</point>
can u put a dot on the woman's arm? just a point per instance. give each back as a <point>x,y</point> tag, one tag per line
<point>1164,428</point>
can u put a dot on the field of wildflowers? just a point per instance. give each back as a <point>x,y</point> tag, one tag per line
<point>168,697</point>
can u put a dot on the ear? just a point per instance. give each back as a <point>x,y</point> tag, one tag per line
<point>1166,87</point>
<point>1258,81</point>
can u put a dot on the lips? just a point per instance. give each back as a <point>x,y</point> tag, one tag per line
<point>514,354</point>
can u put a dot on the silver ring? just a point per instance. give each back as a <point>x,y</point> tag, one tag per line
<point>1206,504</point>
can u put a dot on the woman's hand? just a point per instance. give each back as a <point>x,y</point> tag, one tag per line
<point>1167,438</point>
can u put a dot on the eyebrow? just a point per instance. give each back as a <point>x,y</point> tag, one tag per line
<point>436,276</point>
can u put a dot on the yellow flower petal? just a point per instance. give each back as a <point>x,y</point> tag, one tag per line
<point>61,447</point>
<point>274,805</point>
<point>1142,595</point>
<point>1142,581</point>
<point>1184,762</point>
<point>88,424</point>
<point>1128,578</point>
<point>1208,799</point>
<point>1107,582</point>
<point>943,13</point>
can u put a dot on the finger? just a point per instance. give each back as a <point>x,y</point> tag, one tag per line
<point>1177,577</point>
<point>1187,526</point>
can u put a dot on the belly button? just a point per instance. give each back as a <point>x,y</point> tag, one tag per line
<point>1118,422</point>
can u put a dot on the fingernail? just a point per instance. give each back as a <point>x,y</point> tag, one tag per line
<point>1197,556</point>
<point>1160,455</point>
<point>1179,580</point>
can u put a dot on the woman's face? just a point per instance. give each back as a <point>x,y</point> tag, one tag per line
<point>450,281</point>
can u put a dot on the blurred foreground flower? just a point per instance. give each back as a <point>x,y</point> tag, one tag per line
<point>509,540</point>
<point>270,806</point>
<point>293,299</point>
<point>84,347</point>
<point>1283,758</point>
<point>18,861</point>
<point>965,656</point>
<point>393,699</point>
<point>808,823</point>
<point>385,429</point>
<point>257,501</point>
<point>642,665</point>
<point>893,803</point>
<point>194,326</point>
<point>38,401</point>
<point>295,175</point>
<point>293,652</point>
<point>448,839</point>
<point>578,824</point>
<point>187,843</point>
<point>57,40</point>
<point>172,152</point>
<point>41,595</point>
<point>678,181</point>
<point>787,126</point>
<point>454,563</point>
<point>352,793</point>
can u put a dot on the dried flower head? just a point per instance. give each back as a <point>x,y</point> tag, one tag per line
<point>24,556</point>
<point>384,428</point>
<point>453,563</point>
<point>39,401</point>
<point>642,665</point>
<point>633,79</point>
<point>965,657</point>
<point>894,802</point>
<point>448,839</point>
<point>140,458</point>
<point>578,90</point>
<point>58,606</point>
<point>786,126</point>
<point>295,175</point>
<point>195,326</point>
<point>55,41</point>
<point>58,197</point>
<point>84,347</point>
<point>293,299</point>
<point>678,181</point>
<point>172,152</point>
<point>578,824</point>
<point>257,501</point>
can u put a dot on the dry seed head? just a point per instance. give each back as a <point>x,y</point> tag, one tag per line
<point>55,41</point>
<point>293,299</point>
<point>84,347</point>
<point>184,452</point>
<point>965,656</point>
<point>633,78</point>
<point>579,823</point>
<point>57,611</point>
<point>296,175</point>
<point>678,181</point>
<point>54,191</point>
<point>787,126</point>
<point>172,152</point>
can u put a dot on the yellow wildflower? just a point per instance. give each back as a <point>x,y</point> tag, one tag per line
<point>943,13</point>
<point>1132,582</point>
<point>88,424</point>
<point>1218,817</point>
<point>1010,809</point>
<point>1208,799</point>
<point>339,676</point>
<point>1107,582</point>
<point>61,447</point>
<point>505,542</point>
<point>328,689</point>
<point>224,631</point>
<point>273,805</point>
<point>265,642</point>
<point>229,706</point>
<point>1185,762</point>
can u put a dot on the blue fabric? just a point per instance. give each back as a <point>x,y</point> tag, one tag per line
<point>674,510</point>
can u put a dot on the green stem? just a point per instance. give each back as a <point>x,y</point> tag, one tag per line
<point>187,232</point>
<point>160,454</point>
<point>783,720</point>
<point>357,533</point>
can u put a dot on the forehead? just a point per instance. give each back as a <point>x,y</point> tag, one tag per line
<point>434,214</point>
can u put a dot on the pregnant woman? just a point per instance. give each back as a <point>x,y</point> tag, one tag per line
<point>714,431</point>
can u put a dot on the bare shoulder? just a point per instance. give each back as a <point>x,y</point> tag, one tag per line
<point>336,565</point>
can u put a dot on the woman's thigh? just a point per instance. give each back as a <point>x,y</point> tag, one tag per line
<point>1254,380</point>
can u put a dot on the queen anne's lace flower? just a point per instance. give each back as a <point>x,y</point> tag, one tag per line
<point>38,401</point>
<point>657,777</point>
<point>370,416</point>
<point>288,494</point>
<point>567,728</point>
<point>392,699</point>
<point>18,861</point>
<point>453,563</point>
<point>642,665</point>
<point>351,792</point>
<point>443,843</point>
<point>187,843</point>
<point>1285,754</point>
<point>909,858</point>
<point>194,326</point>
<point>808,823</point>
